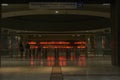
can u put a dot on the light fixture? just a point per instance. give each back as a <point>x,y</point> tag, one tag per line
<point>4,4</point>
<point>78,35</point>
<point>106,4</point>
<point>56,12</point>
<point>73,35</point>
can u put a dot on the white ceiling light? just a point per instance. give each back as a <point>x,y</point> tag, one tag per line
<point>106,4</point>
<point>56,12</point>
<point>4,4</point>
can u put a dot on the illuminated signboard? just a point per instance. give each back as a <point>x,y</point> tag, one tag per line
<point>55,5</point>
<point>32,42</point>
<point>32,46</point>
<point>55,42</point>
<point>58,44</point>
<point>82,42</point>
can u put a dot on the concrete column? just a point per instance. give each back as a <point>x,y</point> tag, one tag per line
<point>0,46</point>
<point>68,54</point>
<point>107,41</point>
<point>88,44</point>
<point>4,42</point>
<point>92,42</point>
<point>115,15</point>
<point>99,50</point>
<point>0,37</point>
<point>56,57</point>
<point>12,41</point>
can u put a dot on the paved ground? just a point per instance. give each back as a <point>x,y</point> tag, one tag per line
<point>27,73</point>
<point>92,78</point>
<point>89,69</point>
<point>69,73</point>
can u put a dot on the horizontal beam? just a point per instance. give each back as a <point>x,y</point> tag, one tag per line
<point>85,1</point>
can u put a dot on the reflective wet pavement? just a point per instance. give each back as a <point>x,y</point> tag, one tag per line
<point>68,73</point>
<point>99,68</point>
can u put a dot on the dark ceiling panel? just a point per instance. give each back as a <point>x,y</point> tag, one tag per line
<point>26,1</point>
<point>58,22</point>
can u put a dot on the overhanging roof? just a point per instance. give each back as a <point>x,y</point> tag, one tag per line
<point>58,22</point>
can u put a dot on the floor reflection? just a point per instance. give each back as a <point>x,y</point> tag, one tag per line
<point>62,61</point>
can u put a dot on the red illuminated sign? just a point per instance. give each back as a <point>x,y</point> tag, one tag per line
<point>57,47</point>
<point>55,42</point>
<point>82,42</point>
<point>33,46</point>
<point>81,46</point>
<point>32,42</point>
<point>59,44</point>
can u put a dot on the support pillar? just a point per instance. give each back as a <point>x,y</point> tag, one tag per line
<point>88,45</point>
<point>0,46</point>
<point>115,15</point>
<point>56,57</point>
<point>0,37</point>
<point>99,50</point>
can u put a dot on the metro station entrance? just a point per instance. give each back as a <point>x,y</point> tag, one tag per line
<point>47,49</point>
<point>59,52</point>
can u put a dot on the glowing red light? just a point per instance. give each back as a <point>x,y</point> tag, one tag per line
<point>57,46</point>
<point>81,46</point>
<point>55,42</point>
<point>32,46</point>
<point>32,60</point>
<point>32,42</point>
<point>72,58</point>
<point>82,61</point>
<point>50,61</point>
<point>62,61</point>
<point>82,42</point>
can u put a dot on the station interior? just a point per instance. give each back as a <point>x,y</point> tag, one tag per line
<point>58,40</point>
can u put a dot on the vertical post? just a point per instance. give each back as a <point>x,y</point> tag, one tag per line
<point>115,15</point>
<point>67,53</point>
<point>88,45</point>
<point>0,46</point>
<point>0,37</point>
<point>99,50</point>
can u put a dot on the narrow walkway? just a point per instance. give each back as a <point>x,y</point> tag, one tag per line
<point>56,73</point>
<point>92,68</point>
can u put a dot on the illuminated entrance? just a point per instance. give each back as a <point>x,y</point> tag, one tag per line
<point>47,48</point>
<point>58,51</point>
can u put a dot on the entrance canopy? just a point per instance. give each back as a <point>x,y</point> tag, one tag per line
<point>56,22</point>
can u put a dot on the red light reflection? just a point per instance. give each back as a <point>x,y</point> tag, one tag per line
<point>57,46</point>
<point>82,42</point>
<point>50,60</point>
<point>81,46</point>
<point>32,60</point>
<point>33,46</point>
<point>82,61</point>
<point>72,57</point>
<point>62,61</point>
<point>32,42</point>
